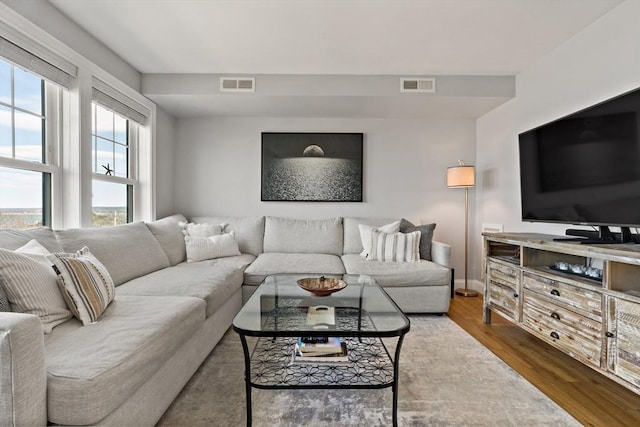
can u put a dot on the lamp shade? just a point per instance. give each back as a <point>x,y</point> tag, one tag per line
<point>461,176</point>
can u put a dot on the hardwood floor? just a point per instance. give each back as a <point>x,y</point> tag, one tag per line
<point>588,396</point>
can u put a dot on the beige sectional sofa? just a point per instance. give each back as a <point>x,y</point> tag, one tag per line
<point>168,314</point>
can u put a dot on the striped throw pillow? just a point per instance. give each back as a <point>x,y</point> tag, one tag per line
<point>32,287</point>
<point>394,246</point>
<point>85,284</point>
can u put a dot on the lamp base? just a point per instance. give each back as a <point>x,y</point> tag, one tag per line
<point>466,292</point>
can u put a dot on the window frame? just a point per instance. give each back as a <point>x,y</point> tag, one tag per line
<point>50,165</point>
<point>131,181</point>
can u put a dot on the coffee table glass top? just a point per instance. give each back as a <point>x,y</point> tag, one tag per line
<point>279,307</point>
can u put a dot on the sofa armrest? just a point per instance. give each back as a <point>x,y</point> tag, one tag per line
<point>23,372</point>
<point>441,253</point>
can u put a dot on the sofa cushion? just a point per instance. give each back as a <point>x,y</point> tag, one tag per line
<point>420,273</point>
<point>13,239</point>
<point>93,369</point>
<point>426,236</point>
<point>276,263</point>
<point>32,287</point>
<point>85,284</point>
<point>128,251</point>
<point>352,240</point>
<point>311,236</point>
<point>168,233</point>
<point>249,230</point>
<point>210,281</point>
<point>203,248</point>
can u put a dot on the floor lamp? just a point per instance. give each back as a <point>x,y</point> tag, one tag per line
<point>463,176</point>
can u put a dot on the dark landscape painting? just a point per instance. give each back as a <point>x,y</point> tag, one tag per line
<point>318,167</point>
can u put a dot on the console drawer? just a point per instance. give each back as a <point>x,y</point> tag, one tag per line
<point>503,273</point>
<point>503,297</point>
<point>577,335</point>
<point>583,301</point>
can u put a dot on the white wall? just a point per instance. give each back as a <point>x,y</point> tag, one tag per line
<point>164,171</point>
<point>217,170</point>
<point>598,63</point>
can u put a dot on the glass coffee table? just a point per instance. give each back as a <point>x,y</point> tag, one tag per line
<point>277,314</point>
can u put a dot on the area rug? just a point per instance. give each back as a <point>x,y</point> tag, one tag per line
<point>447,378</point>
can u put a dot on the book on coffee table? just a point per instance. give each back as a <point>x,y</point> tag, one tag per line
<point>309,346</point>
<point>321,358</point>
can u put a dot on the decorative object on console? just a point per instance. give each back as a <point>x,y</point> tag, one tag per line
<point>579,270</point>
<point>463,176</point>
<point>318,167</point>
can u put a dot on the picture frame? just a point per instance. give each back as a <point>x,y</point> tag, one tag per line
<point>312,166</point>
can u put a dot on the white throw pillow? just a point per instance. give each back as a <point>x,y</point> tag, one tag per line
<point>85,284</point>
<point>32,287</point>
<point>33,247</point>
<point>202,248</point>
<point>398,247</point>
<point>365,234</point>
<point>202,230</point>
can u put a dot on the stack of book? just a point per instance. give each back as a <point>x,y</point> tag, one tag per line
<point>321,350</point>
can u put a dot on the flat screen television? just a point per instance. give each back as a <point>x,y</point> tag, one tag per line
<point>584,169</point>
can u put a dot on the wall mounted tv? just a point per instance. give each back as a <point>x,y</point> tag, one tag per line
<point>585,169</point>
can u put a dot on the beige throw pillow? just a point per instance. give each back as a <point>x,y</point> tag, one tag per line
<point>32,288</point>
<point>85,284</point>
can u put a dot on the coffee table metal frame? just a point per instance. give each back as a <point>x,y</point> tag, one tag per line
<point>276,314</point>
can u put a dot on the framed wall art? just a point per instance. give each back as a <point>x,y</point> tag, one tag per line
<point>311,167</point>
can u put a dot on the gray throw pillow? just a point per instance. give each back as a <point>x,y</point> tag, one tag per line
<point>426,236</point>
<point>4,302</point>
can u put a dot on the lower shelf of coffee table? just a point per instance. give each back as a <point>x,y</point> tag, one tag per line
<point>369,366</point>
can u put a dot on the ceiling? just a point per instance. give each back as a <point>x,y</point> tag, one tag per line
<point>331,37</point>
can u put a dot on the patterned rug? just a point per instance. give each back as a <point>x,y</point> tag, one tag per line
<point>447,378</point>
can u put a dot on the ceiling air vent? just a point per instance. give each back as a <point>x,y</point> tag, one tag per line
<point>237,84</point>
<point>424,85</point>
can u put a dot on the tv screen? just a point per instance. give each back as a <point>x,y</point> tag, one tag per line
<point>584,168</point>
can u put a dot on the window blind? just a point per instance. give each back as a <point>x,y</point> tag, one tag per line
<point>30,55</point>
<point>118,102</point>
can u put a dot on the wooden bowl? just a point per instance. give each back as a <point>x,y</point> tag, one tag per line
<point>322,286</point>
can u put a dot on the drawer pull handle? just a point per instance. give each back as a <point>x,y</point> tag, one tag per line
<point>555,292</point>
<point>555,315</point>
<point>555,335</point>
<point>609,334</point>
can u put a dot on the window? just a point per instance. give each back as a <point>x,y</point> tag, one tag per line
<point>113,172</point>
<point>27,157</point>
